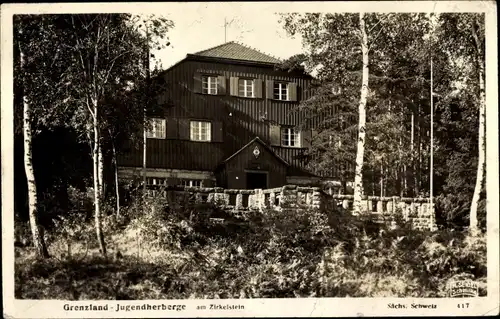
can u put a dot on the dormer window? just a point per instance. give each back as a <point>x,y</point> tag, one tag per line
<point>281,91</point>
<point>209,84</point>
<point>246,88</point>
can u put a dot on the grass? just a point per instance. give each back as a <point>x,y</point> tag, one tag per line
<point>275,256</point>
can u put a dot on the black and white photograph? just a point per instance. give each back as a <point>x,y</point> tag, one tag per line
<point>250,159</point>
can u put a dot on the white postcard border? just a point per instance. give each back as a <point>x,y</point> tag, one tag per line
<point>258,307</point>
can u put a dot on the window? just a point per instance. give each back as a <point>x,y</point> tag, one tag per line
<point>281,91</point>
<point>290,137</point>
<point>246,88</point>
<point>209,84</point>
<point>201,131</point>
<point>157,128</point>
<point>191,182</point>
<point>156,181</point>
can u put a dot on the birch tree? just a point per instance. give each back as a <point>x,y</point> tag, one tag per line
<point>106,51</point>
<point>338,47</point>
<point>478,36</point>
<point>37,69</point>
<point>36,230</point>
<point>462,37</point>
<point>358,174</point>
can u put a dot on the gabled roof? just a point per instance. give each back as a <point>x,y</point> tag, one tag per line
<point>236,51</point>
<point>257,139</point>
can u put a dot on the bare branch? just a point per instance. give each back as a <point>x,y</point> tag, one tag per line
<point>373,41</point>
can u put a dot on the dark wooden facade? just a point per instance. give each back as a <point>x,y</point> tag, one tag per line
<point>235,121</point>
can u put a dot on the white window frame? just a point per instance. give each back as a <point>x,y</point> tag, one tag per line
<point>246,83</point>
<point>281,86</point>
<point>286,137</point>
<point>157,129</point>
<point>196,128</point>
<point>191,182</point>
<point>156,181</point>
<point>209,84</point>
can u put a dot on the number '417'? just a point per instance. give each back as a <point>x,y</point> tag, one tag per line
<point>463,305</point>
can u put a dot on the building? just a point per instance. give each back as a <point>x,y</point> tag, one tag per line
<point>228,118</point>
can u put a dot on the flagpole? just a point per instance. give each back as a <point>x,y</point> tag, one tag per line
<point>144,169</point>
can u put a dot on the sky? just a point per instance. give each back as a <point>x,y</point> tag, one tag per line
<point>201,26</point>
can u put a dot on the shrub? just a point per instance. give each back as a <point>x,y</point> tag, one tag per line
<point>453,211</point>
<point>274,254</point>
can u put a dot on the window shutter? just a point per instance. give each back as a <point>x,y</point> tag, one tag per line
<point>305,138</point>
<point>217,132</point>
<point>184,129</point>
<point>257,87</point>
<point>292,91</point>
<point>275,135</point>
<point>172,128</point>
<point>221,85</point>
<point>233,86</point>
<point>270,89</point>
<point>197,83</point>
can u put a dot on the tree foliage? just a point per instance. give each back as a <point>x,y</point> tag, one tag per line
<point>398,109</point>
<point>87,72</point>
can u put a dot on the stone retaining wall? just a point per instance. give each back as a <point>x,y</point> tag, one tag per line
<point>415,210</point>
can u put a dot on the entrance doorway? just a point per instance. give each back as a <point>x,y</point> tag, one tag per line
<point>256,180</point>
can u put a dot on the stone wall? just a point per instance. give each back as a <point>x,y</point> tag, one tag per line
<point>417,211</point>
<point>414,210</point>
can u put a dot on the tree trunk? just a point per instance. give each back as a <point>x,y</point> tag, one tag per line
<point>481,164</point>
<point>102,184</point>
<point>36,230</point>
<point>117,185</point>
<point>418,179</point>
<point>381,181</point>
<point>401,166</point>
<point>412,148</point>
<point>358,177</point>
<point>97,186</point>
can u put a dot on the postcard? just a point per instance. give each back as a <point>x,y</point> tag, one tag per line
<point>250,159</point>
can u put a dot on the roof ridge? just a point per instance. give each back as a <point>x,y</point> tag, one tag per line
<point>249,47</point>
<point>214,47</point>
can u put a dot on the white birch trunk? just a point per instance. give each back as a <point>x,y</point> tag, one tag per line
<point>358,177</point>
<point>36,230</point>
<point>481,164</point>
<point>97,186</point>
<point>101,171</point>
<point>117,185</point>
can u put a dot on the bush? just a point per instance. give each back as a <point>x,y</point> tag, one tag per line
<point>453,211</point>
<point>274,254</point>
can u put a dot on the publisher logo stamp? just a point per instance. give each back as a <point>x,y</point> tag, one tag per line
<point>463,288</point>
